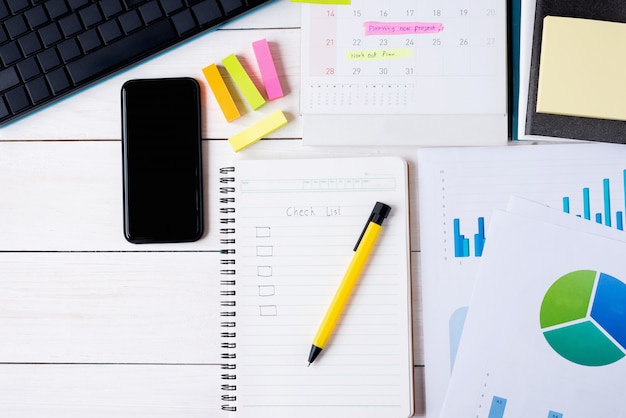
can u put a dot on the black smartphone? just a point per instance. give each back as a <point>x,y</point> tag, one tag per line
<point>162,160</point>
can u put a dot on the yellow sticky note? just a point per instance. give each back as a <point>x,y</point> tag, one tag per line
<point>221,93</point>
<point>581,68</point>
<point>243,81</point>
<point>257,131</point>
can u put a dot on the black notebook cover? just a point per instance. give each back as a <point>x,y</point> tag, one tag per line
<point>560,126</point>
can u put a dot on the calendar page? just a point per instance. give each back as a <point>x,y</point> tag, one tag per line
<point>404,56</point>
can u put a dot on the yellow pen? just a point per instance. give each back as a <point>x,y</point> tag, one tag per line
<point>362,250</point>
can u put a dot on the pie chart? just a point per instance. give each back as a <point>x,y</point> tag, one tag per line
<point>583,317</point>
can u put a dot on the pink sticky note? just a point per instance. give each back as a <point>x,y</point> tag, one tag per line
<point>267,68</point>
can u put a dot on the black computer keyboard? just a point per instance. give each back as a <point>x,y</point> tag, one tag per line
<point>52,48</point>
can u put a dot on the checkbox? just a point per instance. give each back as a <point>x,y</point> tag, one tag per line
<point>264,271</point>
<point>268,310</point>
<point>267,290</point>
<point>264,251</point>
<point>263,232</point>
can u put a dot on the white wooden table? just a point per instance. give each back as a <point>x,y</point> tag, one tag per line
<point>90,325</point>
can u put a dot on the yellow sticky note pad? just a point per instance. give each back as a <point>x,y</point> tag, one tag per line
<point>581,68</point>
<point>243,81</point>
<point>221,93</point>
<point>257,131</point>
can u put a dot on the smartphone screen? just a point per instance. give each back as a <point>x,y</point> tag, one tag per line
<point>162,160</point>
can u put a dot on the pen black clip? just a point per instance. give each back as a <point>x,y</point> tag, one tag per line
<point>378,215</point>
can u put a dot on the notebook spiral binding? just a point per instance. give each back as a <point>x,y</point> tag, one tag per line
<point>227,292</point>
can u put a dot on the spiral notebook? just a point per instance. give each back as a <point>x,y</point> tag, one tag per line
<point>289,228</point>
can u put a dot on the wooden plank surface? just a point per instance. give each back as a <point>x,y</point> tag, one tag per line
<point>109,307</point>
<point>98,391</point>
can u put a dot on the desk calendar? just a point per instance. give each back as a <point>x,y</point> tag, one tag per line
<point>443,60</point>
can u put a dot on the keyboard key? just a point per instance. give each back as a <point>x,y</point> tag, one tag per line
<point>89,40</point>
<point>8,79</point>
<point>150,12</point>
<point>38,90</point>
<point>10,53</point>
<point>130,21</point>
<point>206,12</point>
<point>29,44</point>
<point>121,52</point>
<point>16,26</point>
<point>50,34</point>
<point>18,5</point>
<point>28,68</point>
<point>48,59</point>
<point>69,50</point>
<point>91,16</point>
<point>17,99</point>
<point>58,80</point>
<point>111,8</point>
<point>70,25</point>
<point>4,12</point>
<point>171,6</point>
<point>76,4</point>
<point>183,22</point>
<point>132,3</point>
<point>36,17</point>
<point>110,31</point>
<point>56,8</point>
<point>231,5</point>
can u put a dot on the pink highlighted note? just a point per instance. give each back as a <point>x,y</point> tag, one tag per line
<point>267,68</point>
<point>401,28</point>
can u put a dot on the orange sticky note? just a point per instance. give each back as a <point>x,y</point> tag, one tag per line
<point>257,131</point>
<point>222,95</point>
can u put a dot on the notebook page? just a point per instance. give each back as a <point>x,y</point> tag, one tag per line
<point>297,222</point>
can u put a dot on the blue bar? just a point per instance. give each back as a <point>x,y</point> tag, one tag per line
<point>553,414</point>
<point>598,218</point>
<point>497,407</point>
<point>566,204</point>
<point>587,210</point>
<point>619,216</point>
<point>479,239</point>
<point>466,249</point>
<point>607,202</point>
<point>624,183</point>
<point>461,244</point>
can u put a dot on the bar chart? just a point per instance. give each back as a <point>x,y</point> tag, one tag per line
<point>462,244</point>
<point>605,216</point>
<point>604,204</point>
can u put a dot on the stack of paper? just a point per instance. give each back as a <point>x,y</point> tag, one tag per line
<point>459,188</point>
<point>545,335</point>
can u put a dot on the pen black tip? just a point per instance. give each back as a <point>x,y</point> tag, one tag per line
<point>315,351</point>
